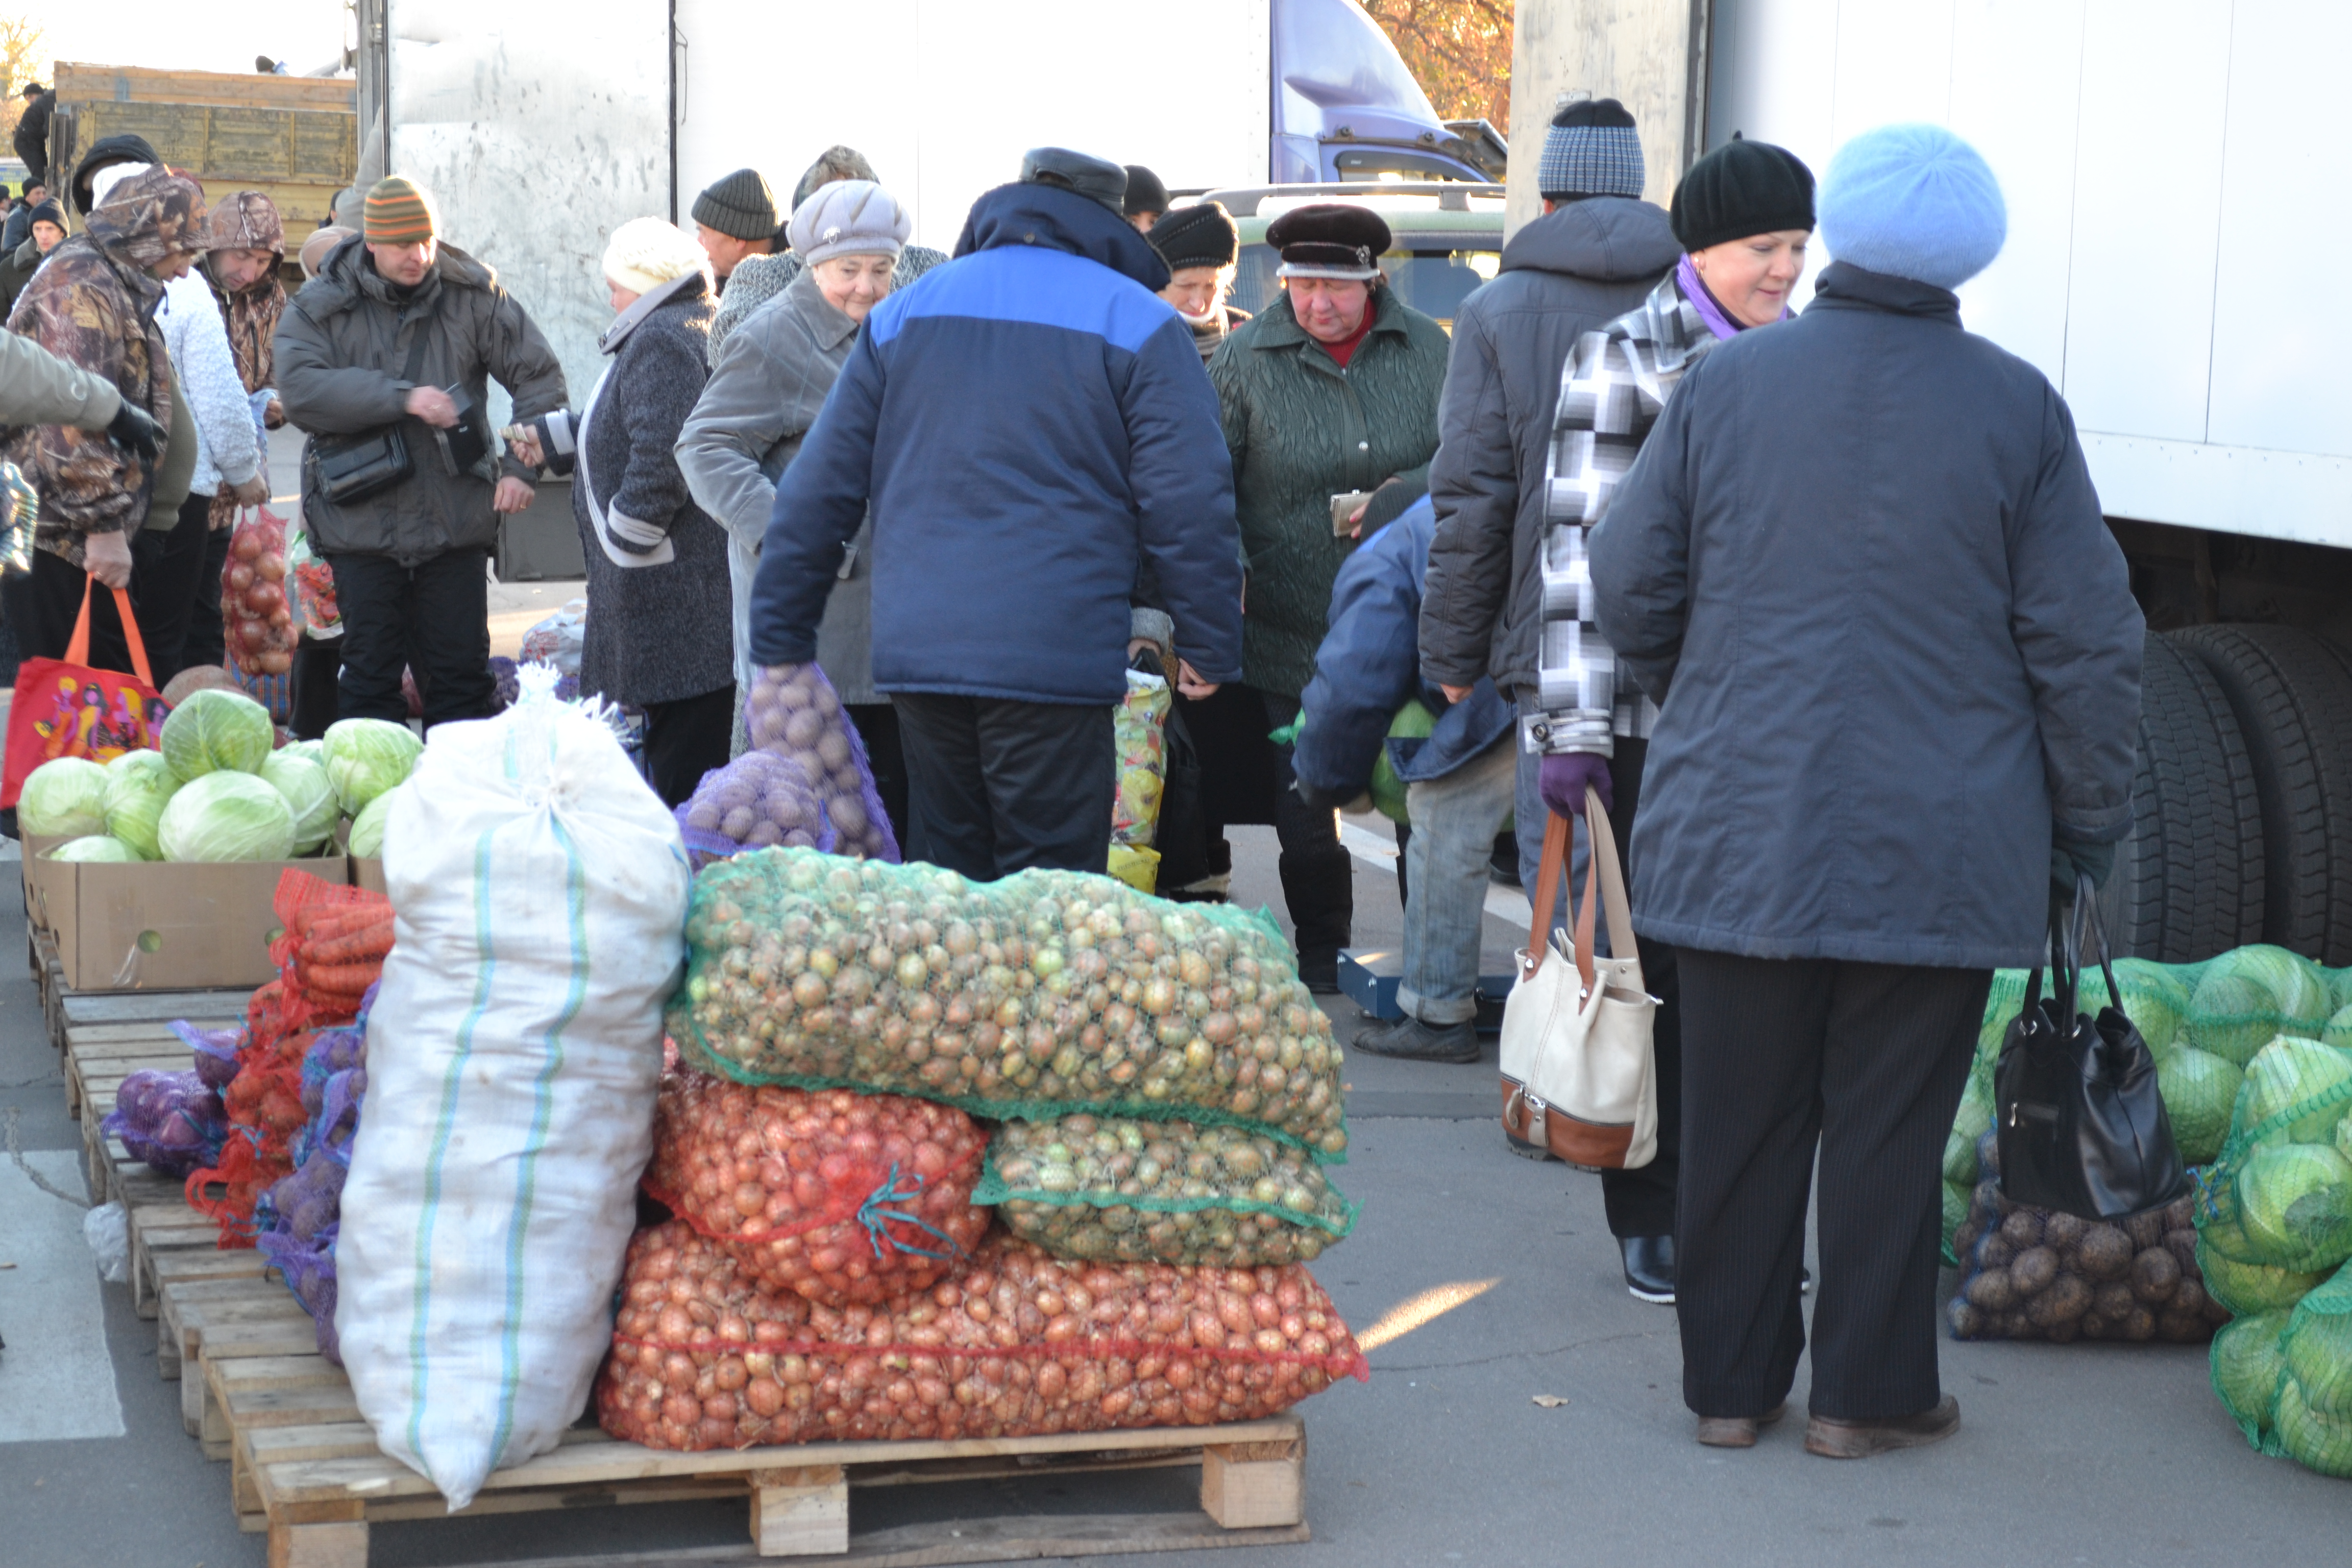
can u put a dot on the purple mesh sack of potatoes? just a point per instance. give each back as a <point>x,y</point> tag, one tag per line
<point>793,711</point>
<point>758,801</point>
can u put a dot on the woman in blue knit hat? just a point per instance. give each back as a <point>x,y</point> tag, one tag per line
<point>1862,570</point>
<point>1743,216</point>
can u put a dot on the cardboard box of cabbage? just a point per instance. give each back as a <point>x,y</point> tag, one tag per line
<point>155,870</point>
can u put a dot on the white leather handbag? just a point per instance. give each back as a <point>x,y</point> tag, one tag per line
<point>1578,1075</point>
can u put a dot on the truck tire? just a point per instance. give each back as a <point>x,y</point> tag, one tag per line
<point>2293,697</point>
<point>2187,883</point>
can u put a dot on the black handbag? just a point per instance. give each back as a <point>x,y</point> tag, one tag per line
<point>2081,1127</point>
<point>353,467</point>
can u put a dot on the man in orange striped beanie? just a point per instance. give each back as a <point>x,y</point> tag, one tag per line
<point>401,332</point>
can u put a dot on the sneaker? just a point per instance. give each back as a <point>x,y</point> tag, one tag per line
<point>1649,1267</point>
<point>1410,1040</point>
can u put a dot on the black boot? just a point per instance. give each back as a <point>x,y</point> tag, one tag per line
<point>1649,1267</point>
<point>1410,1040</point>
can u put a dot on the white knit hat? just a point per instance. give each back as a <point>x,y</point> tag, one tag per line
<point>647,253</point>
<point>848,217</point>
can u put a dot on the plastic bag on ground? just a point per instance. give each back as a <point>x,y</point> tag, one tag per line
<point>1019,1346</point>
<point>794,711</point>
<point>841,1197</point>
<point>1112,1189</point>
<point>1044,994</point>
<point>1139,727</point>
<point>514,1047</point>
<point>107,1228</point>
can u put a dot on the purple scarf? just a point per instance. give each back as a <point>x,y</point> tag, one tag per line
<point>1694,289</point>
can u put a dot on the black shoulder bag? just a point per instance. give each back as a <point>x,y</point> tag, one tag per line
<point>353,467</point>
<point>2080,1124</point>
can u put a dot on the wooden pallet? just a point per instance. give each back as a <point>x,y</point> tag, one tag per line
<point>156,1229</point>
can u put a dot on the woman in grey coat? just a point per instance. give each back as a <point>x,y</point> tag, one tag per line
<point>657,633</point>
<point>1861,568</point>
<point>766,387</point>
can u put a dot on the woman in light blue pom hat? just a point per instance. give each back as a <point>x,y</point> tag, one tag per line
<point>1862,569</point>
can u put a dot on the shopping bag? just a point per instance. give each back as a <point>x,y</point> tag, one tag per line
<point>1580,1078</point>
<point>2079,1125</point>
<point>65,709</point>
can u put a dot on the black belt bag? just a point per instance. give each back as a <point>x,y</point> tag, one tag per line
<point>353,467</point>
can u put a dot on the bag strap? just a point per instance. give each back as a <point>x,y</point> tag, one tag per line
<point>2092,929</point>
<point>417,344</point>
<point>78,650</point>
<point>1617,907</point>
<point>1602,877</point>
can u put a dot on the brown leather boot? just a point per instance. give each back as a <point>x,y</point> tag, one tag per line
<point>1737,1431</point>
<point>1860,1439</point>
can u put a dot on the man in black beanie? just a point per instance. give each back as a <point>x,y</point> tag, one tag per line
<point>1147,198</point>
<point>734,218</point>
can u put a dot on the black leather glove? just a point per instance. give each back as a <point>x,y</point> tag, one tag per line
<point>2069,862</point>
<point>134,430</point>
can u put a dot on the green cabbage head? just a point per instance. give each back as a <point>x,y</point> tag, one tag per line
<point>63,798</point>
<point>217,731</point>
<point>228,816</point>
<point>308,794</point>
<point>138,786</point>
<point>365,757</point>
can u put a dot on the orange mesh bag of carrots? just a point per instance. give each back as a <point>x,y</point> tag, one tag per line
<point>837,1196</point>
<point>331,947</point>
<point>264,1111</point>
<point>1016,1346</point>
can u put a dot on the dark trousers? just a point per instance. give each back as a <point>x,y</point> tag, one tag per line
<point>43,603</point>
<point>885,758</point>
<point>687,739</point>
<point>998,785</point>
<point>1641,1201</point>
<point>167,569</point>
<point>433,617</point>
<point>318,666</point>
<point>1865,1061</point>
<point>1318,878</point>
<point>207,642</point>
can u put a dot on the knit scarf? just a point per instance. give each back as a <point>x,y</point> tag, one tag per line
<point>1207,332</point>
<point>1718,320</point>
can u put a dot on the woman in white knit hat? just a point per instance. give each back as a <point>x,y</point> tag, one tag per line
<point>771,378</point>
<point>660,634</point>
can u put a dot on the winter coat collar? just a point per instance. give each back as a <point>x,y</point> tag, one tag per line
<point>1278,324</point>
<point>688,286</point>
<point>1843,285</point>
<point>827,324</point>
<point>1606,238</point>
<point>348,276</point>
<point>1062,220</point>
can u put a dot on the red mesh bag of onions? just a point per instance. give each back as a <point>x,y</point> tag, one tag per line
<point>255,612</point>
<point>1017,1345</point>
<point>758,800</point>
<point>839,1197</point>
<point>793,711</point>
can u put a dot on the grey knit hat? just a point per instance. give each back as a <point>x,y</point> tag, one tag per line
<point>849,217</point>
<point>1591,150</point>
<point>739,203</point>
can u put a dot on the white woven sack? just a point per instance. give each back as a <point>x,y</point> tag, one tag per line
<point>539,894</point>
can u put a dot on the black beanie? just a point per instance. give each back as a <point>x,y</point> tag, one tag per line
<point>739,203</point>
<point>1742,188</point>
<point>1146,193</point>
<point>1199,235</point>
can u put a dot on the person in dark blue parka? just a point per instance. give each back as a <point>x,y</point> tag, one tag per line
<point>1861,567</point>
<point>1028,423</point>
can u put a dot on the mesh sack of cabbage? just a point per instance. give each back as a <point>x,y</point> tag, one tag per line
<point>758,801</point>
<point>173,1120</point>
<point>839,1197</point>
<point>1114,1189</point>
<point>793,711</point>
<point>2280,1197</point>
<point>2036,1274</point>
<point>213,1050</point>
<point>1044,994</point>
<point>1018,1345</point>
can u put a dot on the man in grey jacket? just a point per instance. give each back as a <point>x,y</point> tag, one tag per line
<point>411,559</point>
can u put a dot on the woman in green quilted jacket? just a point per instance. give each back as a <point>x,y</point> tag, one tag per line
<point>1331,390</point>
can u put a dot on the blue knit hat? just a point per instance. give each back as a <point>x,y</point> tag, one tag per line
<point>1591,150</point>
<point>1913,201</point>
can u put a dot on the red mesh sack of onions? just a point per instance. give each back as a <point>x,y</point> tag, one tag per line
<point>839,1197</point>
<point>1016,1346</point>
<point>759,800</point>
<point>258,619</point>
<point>794,711</point>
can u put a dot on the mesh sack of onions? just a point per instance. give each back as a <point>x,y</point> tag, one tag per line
<point>1017,1345</point>
<point>1044,994</point>
<point>256,616</point>
<point>214,1051</point>
<point>758,801</point>
<point>793,711</point>
<point>840,1197</point>
<point>173,1120</point>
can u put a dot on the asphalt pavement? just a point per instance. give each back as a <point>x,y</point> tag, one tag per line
<point>2099,1454</point>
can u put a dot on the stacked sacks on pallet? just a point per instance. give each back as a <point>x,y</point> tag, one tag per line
<point>298,1217</point>
<point>173,1120</point>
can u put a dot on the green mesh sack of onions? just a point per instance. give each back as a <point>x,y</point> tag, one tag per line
<point>1118,1190</point>
<point>1029,998</point>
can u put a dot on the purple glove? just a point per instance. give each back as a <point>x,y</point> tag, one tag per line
<point>1565,774</point>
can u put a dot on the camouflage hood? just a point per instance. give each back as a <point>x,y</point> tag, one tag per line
<point>151,218</point>
<point>248,220</point>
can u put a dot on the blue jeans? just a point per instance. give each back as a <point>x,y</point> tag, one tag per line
<point>1455,820</point>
